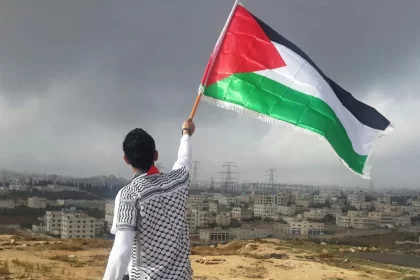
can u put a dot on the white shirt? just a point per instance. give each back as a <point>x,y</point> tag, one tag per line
<point>135,231</point>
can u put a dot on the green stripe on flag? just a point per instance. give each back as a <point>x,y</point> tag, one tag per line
<point>268,97</point>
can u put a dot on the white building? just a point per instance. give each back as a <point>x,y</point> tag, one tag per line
<point>316,214</point>
<point>362,223</point>
<point>53,222</point>
<point>216,207</point>
<point>265,210</point>
<point>227,200</point>
<point>196,218</point>
<point>301,228</point>
<point>195,198</point>
<point>109,213</point>
<point>223,219</point>
<point>343,221</point>
<point>76,224</point>
<point>303,203</point>
<point>7,203</point>
<point>355,199</point>
<point>37,202</point>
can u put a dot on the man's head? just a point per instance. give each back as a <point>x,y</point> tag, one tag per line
<point>139,149</point>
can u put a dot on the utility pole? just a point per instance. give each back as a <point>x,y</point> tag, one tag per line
<point>271,179</point>
<point>229,179</point>
<point>195,172</point>
<point>212,183</point>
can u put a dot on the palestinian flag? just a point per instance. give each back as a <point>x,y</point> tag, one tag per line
<point>255,71</point>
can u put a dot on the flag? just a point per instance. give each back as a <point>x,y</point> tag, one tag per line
<point>255,71</point>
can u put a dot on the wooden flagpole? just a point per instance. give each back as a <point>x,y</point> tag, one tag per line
<point>213,58</point>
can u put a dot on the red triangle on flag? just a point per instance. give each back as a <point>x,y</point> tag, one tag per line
<point>244,48</point>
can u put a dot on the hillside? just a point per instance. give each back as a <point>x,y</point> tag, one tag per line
<point>35,258</point>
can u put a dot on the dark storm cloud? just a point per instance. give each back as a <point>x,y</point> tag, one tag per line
<point>80,74</point>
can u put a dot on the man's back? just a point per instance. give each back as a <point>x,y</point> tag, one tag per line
<point>149,214</point>
<point>161,247</point>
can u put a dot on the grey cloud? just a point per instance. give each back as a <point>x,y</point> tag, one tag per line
<point>75,76</point>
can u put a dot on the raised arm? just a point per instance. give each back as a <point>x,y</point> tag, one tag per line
<point>185,149</point>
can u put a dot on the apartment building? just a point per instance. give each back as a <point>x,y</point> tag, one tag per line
<point>37,202</point>
<point>265,210</point>
<point>315,214</point>
<point>321,198</point>
<point>244,199</point>
<point>382,218</point>
<point>286,210</point>
<point>355,199</point>
<point>300,228</point>
<point>223,219</point>
<point>360,222</point>
<point>343,221</point>
<point>357,213</point>
<point>403,221</point>
<point>283,198</point>
<point>76,224</point>
<point>227,200</point>
<point>195,198</point>
<point>303,203</point>
<point>53,222</point>
<point>240,213</point>
<point>265,199</point>
<point>331,193</point>
<point>216,207</point>
<point>7,204</point>
<point>202,206</point>
<point>196,219</point>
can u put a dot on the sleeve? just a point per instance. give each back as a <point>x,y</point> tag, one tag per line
<point>114,218</point>
<point>126,213</point>
<point>119,257</point>
<point>184,154</point>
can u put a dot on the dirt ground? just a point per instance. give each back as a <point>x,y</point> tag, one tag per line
<point>80,259</point>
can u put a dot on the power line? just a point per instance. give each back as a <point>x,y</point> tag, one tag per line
<point>229,179</point>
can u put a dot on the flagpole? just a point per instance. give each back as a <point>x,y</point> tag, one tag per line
<point>213,58</point>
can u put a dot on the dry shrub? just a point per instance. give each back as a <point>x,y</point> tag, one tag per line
<point>4,268</point>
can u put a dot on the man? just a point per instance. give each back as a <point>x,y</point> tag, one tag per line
<point>151,233</point>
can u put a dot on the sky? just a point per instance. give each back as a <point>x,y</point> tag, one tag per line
<point>76,76</point>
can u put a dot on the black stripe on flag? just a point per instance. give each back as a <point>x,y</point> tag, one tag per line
<point>366,114</point>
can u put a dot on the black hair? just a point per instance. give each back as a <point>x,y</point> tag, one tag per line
<point>139,149</point>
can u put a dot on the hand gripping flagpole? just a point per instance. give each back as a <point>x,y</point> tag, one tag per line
<point>212,60</point>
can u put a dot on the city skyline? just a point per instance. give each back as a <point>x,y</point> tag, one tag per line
<point>75,77</point>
